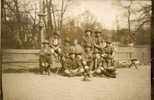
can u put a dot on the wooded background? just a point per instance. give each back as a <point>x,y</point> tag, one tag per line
<point>21,30</point>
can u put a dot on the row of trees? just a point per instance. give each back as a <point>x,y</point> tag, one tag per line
<point>20,22</point>
<point>138,16</point>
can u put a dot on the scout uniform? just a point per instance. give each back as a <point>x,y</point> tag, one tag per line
<point>79,62</point>
<point>86,71</point>
<point>55,43</point>
<point>70,65</point>
<point>88,39</point>
<point>66,47</point>
<point>65,51</point>
<point>88,56</point>
<point>98,48</point>
<point>108,50</point>
<point>99,43</point>
<point>45,57</point>
<point>108,57</point>
<point>77,47</point>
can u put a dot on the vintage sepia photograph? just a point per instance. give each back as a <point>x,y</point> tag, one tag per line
<point>76,49</point>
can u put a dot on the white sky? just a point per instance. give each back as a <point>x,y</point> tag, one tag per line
<point>102,10</point>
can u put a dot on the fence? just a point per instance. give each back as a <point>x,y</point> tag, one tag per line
<point>127,53</point>
<point>31,56</point>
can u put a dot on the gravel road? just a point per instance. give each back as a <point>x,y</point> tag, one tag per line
<point>130,84</point>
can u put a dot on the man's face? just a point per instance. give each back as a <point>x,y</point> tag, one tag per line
<point>72,56</point>
<point>88,33</point>
<point>108,44</point>
<point>98,56</point>
<point>79,56</point>
<point>67,43</point>
<point>46,45</point>
<point>55,36</point>
<point>88,49</point>
<point>75,42</point>
<point>98,34</point>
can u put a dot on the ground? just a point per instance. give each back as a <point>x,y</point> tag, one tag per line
<point>130,84</point>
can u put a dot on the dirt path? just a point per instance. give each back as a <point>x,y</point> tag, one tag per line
<point>130,84</point>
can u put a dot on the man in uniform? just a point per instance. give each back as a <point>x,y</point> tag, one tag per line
<point>65,51</point>
<point>66,47</point>
<point>109,51</point>
<point>84,67</point>
<point>45,58</point>
<point>88,56</point>
<point>55,43</point>
<point>88,39</point>
<point>98,49</point>
<point>109,58</point>
<point>70,65</point>
<point>77,47</point>
<point>99,43</point>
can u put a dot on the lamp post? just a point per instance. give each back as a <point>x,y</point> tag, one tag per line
<point>42,26</point>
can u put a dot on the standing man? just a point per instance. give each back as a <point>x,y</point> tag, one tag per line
<point>88,39</point>
<point>99,42</point>
<point>98,48</point>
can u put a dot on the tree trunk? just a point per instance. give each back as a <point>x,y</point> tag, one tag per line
<point>62,13</point>
<point>129,23</point>
<point>50,26</point>
<point>18,23</point>
<point>54,17</point>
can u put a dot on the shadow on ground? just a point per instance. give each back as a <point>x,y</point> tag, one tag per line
<point>13,70</point>
<point>24,70</point>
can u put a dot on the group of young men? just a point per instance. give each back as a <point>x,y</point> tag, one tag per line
<point>92,56</point>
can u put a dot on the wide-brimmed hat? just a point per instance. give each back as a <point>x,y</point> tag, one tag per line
<point>98,31</point>
<point>88,46</point>
<point>88,30</point>
<point>67,39</point>
<point>45,42</point>
<point>108,41</point>
<point>78,53</point>
<point>72,50</point>
<point>56,33</point>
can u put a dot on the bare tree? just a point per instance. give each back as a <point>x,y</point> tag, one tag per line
<point>18,20</point>
<point>145,15</point>
<point>55,13</point>
<point>128,7</point>
<point>88,20</point>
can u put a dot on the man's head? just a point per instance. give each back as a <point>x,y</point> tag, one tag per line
<point>88,32</point>
<point>98,33</point>
<point>56,34</point>
<point>75,42</point>
<point>79,55</point>
<point>67,41</point>
<point>108,43</point>
<point>98,55</point>
<point>88,48</point>
<point>72,55</point>
<point>46,43</point>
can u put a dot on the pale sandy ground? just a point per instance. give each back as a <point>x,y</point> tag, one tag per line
<point>130,84</point>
